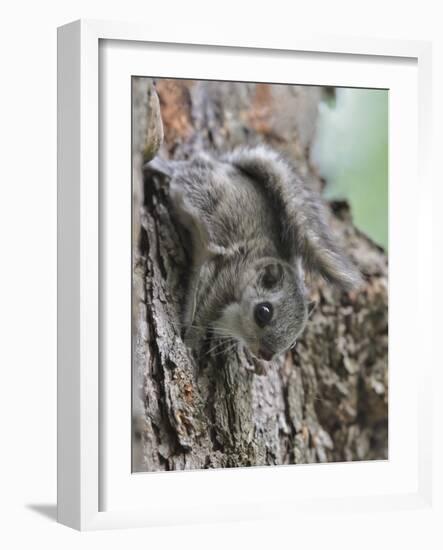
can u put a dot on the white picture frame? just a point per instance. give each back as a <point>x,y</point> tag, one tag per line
<point>85,442</point>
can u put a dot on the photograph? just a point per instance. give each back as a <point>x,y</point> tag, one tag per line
<point>223,259</point>
<point>259,274</point>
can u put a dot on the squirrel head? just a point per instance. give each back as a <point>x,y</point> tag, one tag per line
<point>270,310</point>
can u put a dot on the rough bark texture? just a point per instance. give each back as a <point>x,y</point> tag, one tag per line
<point>327,400</point>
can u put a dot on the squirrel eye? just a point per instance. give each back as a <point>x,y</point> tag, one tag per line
<point>263,314</point>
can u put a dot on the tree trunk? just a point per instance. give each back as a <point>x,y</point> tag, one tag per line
<point>325,401</point>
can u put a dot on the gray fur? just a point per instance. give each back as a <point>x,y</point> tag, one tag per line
<point>255,227</point>
<point>303,230</point>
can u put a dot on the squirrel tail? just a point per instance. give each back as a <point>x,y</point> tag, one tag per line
<point>304,230</point>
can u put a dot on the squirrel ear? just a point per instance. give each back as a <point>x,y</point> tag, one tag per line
<point>272,274</point>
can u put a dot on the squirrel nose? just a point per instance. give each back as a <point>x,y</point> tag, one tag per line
<point>265,354</point>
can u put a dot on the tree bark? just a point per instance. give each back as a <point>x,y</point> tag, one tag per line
<point>325,401</point>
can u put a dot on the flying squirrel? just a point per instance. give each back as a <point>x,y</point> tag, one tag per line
<point>256,229</point>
